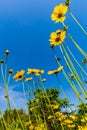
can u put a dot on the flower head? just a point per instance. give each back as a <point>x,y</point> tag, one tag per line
<point>28,79</point>
<point>7,52</point>
<point>59,12</point>
<point>19,75</point>
<point>55,71</point>
<point>10,71</point>
<point>36,71</point>
<point>56,38</point>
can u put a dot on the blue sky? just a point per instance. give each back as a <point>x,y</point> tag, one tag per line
<point>25,27</point>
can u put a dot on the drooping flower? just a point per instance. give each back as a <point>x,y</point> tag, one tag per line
<point>59,12</point>
<point>55,71</point>
<point>57,38</point>
<point>19,75</point>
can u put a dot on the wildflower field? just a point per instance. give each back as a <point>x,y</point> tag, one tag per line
<point>44,108</point>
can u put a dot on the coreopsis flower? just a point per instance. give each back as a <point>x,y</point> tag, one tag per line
<point>55,71</point>
<point>50,117</point>
<point>59,12</point>
<point>19,75</point>
<point>36,71</point>
<point>83,61</point>
<point>30,71</point>
<point>67,2</point>
<point>57,38</point>
<point>28,79</point>
<point>7,52</point>
<point>10,71</point>
<point>39,72</point>
<point>1,61</point>
<point>72,76</point>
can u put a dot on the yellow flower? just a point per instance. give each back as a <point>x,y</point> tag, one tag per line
<point>72,76</point>
<point>7,52</point>
<point>36,71</point>
<point>73,117</point>
<point>67,121</point>
<point>27,123</point>
<point>10,71</point>
<point>57,38</point>
<point>82,127</point>
<point>71,126</point>
<point>55,106</point>
<point>30,71</point>
<point>59,12</point>
<point>43,80</point>
<point>39,72</point>
<point>50,117</point>
<point>19,75</point>
<point>55,71</point>
<point>28,79</point>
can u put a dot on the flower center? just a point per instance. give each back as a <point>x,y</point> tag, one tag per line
<point>20,76</point>
<point>60,15</point>
<point>57,39</point>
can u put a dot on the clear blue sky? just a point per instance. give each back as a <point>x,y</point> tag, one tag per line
<point>25,27</point>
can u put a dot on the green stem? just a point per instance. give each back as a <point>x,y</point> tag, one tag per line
<point>77,46</point>
<point>25,96</point>
<point>75,72</point>
<point>66,76</point>
<point>17,114</point>
<point>83,30</point>
<point>76,61</point>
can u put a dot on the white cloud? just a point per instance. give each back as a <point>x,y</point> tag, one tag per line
<point>15,98</point>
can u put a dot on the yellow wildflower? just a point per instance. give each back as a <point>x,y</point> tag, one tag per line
<point>7,52</point>
<point>72,75</point>
<point>50,117</point>
<point>10,71</point>
<point>59,12</point>
<point>39,72</point>
<point>56,38</point>
<point>27,123</point>
<point>28,79</point>
<point>55,71</point>
<point>19,75</point>
<point>67,121</point>
<point>55,106</point>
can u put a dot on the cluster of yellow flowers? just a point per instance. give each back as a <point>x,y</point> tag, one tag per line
<point>20,74</point>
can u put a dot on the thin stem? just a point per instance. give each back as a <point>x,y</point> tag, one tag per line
<point>83,30</point>
<point>76,61</point>
<point>77,46</point>
<point>65,75</point>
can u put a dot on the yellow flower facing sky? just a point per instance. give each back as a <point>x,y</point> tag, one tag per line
<point>36,71</point>
<point>57,38</point>
<point>59,12</point>
<point>19,75</point>
<point>55,71</point>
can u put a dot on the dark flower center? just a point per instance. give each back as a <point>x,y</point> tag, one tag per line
<point>20,76</point>
<point>57,39</point>
<point>60,15</point>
